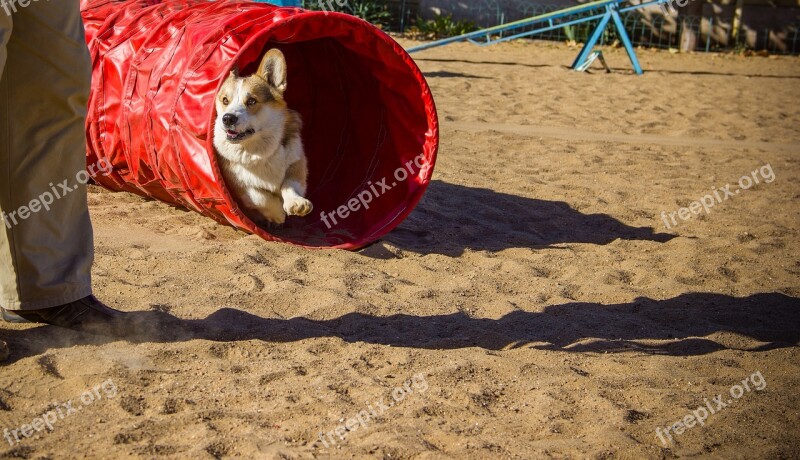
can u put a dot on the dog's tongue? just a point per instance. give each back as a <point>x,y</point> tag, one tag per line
<point>232,133</point>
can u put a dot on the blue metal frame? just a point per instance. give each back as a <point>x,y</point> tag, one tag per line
<point>609,11</point>
<point>594,55</point>
<point>283,2</point>
<point>625,39</point>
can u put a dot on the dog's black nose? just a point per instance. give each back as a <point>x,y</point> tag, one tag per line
<point>229,119</point>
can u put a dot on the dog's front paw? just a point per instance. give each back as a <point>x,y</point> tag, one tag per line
<point>297,206</point>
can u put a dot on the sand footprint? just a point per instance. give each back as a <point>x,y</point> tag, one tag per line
<point>192,232</point>
<point>134,405</point>
<point>248,283</point>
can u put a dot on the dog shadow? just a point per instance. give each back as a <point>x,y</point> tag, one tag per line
<point>452,218</point>
<point>680,326</point>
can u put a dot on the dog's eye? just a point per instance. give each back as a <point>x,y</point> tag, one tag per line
<point>251,102</point>
<point>225,101</point>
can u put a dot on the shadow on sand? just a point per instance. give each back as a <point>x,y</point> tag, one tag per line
<point>452,218</point>
<point>678,327</point>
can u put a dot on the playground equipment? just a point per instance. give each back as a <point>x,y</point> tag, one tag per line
<point>367,110</point>
<point>603,11</point>
<point>297,3</point>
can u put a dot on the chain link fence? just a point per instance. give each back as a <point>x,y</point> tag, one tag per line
<point>646,28</point>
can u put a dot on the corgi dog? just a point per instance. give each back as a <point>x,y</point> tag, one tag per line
<point>258,143</point>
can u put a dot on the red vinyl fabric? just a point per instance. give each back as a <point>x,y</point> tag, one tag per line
<point>367,110</point>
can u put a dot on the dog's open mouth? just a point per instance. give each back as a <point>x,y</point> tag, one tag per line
<point>237,136</point>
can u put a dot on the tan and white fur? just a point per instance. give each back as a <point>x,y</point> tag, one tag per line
<point>258,143</point>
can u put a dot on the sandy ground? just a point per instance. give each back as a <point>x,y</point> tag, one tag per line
<point>534,305</point>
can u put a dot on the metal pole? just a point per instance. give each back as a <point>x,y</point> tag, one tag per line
<point>737,21</point>
<point>587,48</point>
<point>403,17</point>
<point>625,40</point>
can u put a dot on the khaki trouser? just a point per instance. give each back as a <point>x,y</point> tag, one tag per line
<point>46,247</point>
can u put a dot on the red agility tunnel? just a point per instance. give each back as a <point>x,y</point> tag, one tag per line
<point>370,127</point>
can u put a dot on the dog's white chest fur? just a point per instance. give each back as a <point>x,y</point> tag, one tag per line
<point>263,167</point>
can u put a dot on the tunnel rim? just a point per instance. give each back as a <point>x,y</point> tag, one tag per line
<point>431,137</point>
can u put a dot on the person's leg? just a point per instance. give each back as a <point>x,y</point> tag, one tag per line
<point>5,34</point>
<point>46,247</point>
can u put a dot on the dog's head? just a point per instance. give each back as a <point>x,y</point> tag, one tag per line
<point>253,107</point>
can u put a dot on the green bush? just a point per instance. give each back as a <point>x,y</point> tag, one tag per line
<point>372,11</point>
<point>443,27</point>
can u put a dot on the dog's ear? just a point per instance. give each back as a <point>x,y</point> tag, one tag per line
<point>273,69</point>
<point>234,72</point>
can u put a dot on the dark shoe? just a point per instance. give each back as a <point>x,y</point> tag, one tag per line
<point>85,315</point>
<point>10,317</point>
